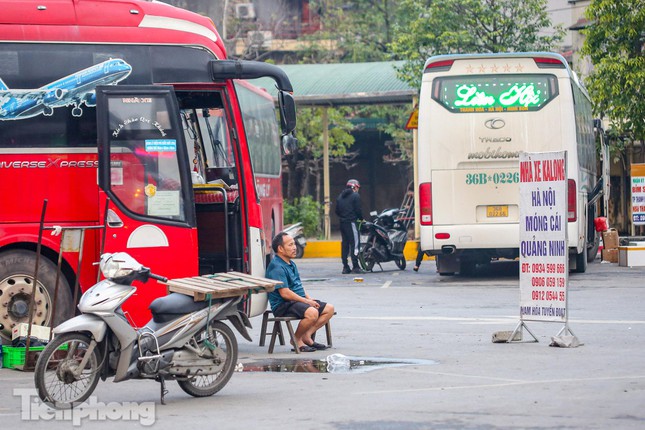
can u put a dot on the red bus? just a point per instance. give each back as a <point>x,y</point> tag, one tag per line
<point>263,137</point>
<point>120,91</point>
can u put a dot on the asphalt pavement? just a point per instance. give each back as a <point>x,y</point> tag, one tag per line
<point>410,351</point>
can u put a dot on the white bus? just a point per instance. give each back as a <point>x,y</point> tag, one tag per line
<point>477,112</point>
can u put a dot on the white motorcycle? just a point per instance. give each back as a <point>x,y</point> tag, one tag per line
<point>185,340</point>
<point>297,232</point>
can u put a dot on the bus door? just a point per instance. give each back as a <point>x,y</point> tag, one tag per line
<point>144,171</point>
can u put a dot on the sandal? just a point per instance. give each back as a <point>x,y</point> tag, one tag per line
<point>305,348</point>
<point>318,346</point>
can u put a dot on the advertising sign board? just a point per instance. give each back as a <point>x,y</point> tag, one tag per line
<point>544,252</point>
<point>638,194</point>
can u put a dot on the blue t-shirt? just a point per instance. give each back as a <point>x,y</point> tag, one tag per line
<point>287,273</point>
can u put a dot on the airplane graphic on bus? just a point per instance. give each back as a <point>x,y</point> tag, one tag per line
<point>75,89</point>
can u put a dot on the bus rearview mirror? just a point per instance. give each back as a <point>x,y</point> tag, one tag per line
<point>287,112</point>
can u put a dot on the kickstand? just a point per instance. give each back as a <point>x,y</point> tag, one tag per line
<point>162,381</point>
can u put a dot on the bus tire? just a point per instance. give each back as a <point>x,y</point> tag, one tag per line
<point>16,284</point>
<point>592,247</point>
<point>467,268</point>
<point>581,262</point>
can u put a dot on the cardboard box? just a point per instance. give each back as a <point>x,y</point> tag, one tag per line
<point>39,331</point>
<point>631,256</point>
<point>610,255</point>
<point>610,239</point>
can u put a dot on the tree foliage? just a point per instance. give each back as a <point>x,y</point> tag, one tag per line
<point>310,138</point>
<point>366,30</point>
<point>307,211</point>
<point>305,164</point>
<point>394,119</point>
<point>432,27</point>
<point>615,42</point>
<point>380,30</point>
<point>351,31</point>
<point>413,30</point>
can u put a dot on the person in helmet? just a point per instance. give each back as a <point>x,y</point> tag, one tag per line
<point>348,209</point>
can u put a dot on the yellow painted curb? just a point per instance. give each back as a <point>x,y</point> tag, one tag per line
<point>331,249</point>
<point>322,249</point>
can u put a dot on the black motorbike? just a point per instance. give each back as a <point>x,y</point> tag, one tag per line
<point>382,240</point>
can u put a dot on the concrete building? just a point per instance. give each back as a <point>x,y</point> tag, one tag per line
<point>570,14</point>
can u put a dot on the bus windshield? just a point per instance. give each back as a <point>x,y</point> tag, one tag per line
<point>261,125</point>
<point>263,137</point>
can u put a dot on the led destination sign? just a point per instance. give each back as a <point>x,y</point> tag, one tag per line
<point>508,93</point>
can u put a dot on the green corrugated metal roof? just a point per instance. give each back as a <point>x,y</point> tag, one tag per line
<point>344,84</point>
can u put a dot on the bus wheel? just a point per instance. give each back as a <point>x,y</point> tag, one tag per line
<point>592,247</point>
<point>16,284</point>
<point>467,268</point>
<point>581,262</point>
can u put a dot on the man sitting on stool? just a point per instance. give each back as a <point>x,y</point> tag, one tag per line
<point>290,299</point>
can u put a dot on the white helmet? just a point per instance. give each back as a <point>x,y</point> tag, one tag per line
<point>353,184</point>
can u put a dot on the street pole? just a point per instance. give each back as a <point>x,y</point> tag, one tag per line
<point>415,163</point>
<point>326,198</point>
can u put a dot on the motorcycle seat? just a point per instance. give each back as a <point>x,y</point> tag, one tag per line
<point>172,306</point>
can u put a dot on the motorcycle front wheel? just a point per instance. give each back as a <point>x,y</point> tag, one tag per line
<point>400,263</point>
<point>218,343</point>
<point>365,258</point>
<point>59,379</point>
<point>300,251</point>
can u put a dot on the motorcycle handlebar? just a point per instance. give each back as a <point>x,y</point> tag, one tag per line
<point>157,277</point>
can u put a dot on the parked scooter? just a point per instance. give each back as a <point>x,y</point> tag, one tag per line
<point>297,232</point>
<point>382,240</point>
<point>185,340</point>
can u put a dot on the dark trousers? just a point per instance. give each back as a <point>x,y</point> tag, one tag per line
<point>420,255</point>
<point>349,243</point>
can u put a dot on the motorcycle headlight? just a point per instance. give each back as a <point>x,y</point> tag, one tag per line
<point>118,265</point>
